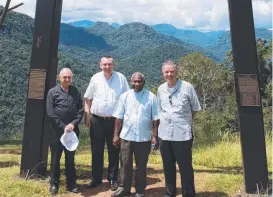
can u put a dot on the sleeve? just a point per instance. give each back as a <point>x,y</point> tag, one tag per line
<point>195,105</point>
<point>158,101</point>
<point>89,93</point>
<point>51,111</point>
<point>119,110</point>
<point>155,110</point>
<point>80,112</point>
<point>125,85</point>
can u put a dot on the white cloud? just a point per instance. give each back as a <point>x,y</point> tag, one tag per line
<point>199,14</point>
<point>262,11</point>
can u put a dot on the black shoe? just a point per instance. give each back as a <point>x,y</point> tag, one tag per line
<point>120,193</point>
<point>73,189</point>
<point>139,195</point>
<point>93,184</point>
<point>53,189</point>
<point>113,185</point>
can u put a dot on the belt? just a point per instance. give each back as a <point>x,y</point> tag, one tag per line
<point>103,118</point>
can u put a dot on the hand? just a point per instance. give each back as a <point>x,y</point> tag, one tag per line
<point>69,128</point>
<point>87,121</point>
<point>155,142</point>
<point>116,141</point>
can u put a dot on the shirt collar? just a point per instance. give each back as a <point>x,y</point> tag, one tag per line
<point>138,93</point>
<point>112,76</point>
<point>59,85</point>
<point>167,85</point>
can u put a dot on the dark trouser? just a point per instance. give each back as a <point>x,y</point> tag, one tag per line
<point>100,131</point>
<point>180,152</point>
<point>141,151</point>
<point>57,148</point>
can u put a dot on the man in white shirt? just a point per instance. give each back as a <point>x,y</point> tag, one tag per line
<point>137,109</point>
<point>178,104</point>
<point>101,97</point>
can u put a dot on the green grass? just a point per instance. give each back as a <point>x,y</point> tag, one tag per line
<point>218,168</point>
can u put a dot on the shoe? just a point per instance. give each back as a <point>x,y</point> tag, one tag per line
<point>120,193</point>
<point>73,189</point>
<point>139,195</point>
<point>53,189</point>
<point>113,185</point>
<point>94,184</point>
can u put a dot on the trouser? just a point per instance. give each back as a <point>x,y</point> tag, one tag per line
<point>57,148</point>
<point>103,130</point>
<point>141,152</point>
<point>180,152</point>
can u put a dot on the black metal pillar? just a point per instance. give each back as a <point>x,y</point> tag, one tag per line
<point>248,95</point>
<point>42,76</point>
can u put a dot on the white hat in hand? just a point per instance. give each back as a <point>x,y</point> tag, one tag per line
<point>70,140</point>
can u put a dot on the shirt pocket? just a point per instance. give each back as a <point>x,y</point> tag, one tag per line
<point>165,105</point>
<point>182,103</point>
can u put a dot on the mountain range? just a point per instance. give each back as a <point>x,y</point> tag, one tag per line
<point>217,42</point>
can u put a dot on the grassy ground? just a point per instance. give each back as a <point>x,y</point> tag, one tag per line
<point>218,171</point>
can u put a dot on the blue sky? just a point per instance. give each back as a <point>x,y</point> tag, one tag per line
<point>189,14</point>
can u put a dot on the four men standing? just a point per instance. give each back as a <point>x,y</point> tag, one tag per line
<point>125,119</point>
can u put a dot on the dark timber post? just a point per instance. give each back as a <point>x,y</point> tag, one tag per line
<point>248,95</point>
<point>7,9</point>
<point>42,76</point>
<point>3,15</point>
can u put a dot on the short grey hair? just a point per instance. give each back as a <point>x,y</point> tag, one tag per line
<point>171,63</point>
<point>136,74</point>
<point>107,57</point>
<point>65,70</point>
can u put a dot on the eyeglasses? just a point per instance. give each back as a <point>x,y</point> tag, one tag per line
<point>170,100</point>
<point>175,90</point>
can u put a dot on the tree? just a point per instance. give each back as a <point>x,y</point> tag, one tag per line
<point>213,82</point>
<point>264,51</point>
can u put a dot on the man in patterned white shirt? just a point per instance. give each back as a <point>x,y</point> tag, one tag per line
<point>101,97</point>
<point>138,110</point>
<point>178,104</point>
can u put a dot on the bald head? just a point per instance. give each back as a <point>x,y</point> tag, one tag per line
<point>65,77</point>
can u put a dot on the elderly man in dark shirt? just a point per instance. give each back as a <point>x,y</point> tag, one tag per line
<point>65,109</point>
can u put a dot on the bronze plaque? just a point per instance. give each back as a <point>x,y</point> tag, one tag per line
<point>249,90</point>
<point>36,85</point>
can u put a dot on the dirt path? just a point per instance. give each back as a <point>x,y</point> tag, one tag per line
<point>155,186</point>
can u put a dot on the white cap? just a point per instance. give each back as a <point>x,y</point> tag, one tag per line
<point>70,140</point>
